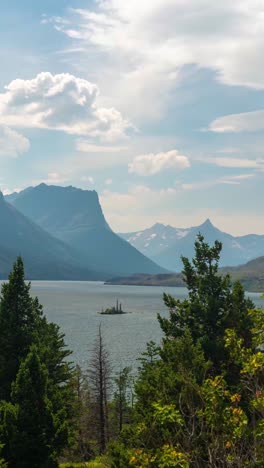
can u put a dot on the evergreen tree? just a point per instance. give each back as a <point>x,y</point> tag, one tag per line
<point>34,425</point>
<point>213,305</point>
<point>19,314</point>
<point>200,394</point>
<point>29,343</point>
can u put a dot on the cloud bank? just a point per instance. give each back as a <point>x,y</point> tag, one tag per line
<point>150,42</point>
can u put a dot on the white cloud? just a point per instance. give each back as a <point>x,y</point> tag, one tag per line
<point>235,123</point>
<point>226,180</point>
<point>88,179</point>
<point>150,164</point>
<point>52,178</point>
<point>242,163</point>
<point>12,143</point>
<point>148,42</point>
<point>85,146</point>
<point>60,102</point>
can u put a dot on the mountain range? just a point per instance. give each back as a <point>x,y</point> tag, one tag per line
<point>62,233</point>
<point>44,256</point>
<point>74,218</point>
<point>165,244</point>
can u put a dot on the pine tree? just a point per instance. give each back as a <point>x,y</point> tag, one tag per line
<point>23,326</point>
<point>213,304</point>
<point>19,315</point>
<point>200,394</point>
<point>34,424</point>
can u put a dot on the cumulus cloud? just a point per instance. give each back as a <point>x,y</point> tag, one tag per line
<point>149,42</point>
<point>12,143</point>
<point>60,102</point>
<point>150,164</point>
<point>235,123</point>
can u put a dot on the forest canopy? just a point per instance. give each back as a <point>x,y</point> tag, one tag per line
<point>197,400</point>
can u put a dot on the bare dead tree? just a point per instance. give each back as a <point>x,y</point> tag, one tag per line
<point>100,382</point>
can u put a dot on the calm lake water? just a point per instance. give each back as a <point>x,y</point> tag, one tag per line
<point>74,306</point>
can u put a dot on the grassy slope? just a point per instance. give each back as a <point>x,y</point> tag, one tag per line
<point>251,276</point>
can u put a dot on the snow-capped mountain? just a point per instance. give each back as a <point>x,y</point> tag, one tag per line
<point>166,244</point>
<point>154,240</point>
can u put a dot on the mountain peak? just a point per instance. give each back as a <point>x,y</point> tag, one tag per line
<point>158,225</point>
<point>75,217</point>
<point>207,224</point>
<point>161,226</point>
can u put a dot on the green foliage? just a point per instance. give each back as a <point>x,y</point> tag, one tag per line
<point>30,418</point>
<point>19,314</point>
<point>213,305</point>
<point>37,399</point>
<point>122,397</point>
<point>3,464</point>
<point>99,462</point>
<point>200,396</point>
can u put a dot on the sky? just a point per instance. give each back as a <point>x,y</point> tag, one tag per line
<point>158,105</point>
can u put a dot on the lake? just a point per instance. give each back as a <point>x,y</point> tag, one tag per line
<point>74,306</point>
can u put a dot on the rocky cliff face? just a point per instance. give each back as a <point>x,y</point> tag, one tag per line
<point>45,256</point>
<point>75,217</point>
<point>61,209</point>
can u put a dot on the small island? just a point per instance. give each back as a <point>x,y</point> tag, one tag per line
<point>115,310</point>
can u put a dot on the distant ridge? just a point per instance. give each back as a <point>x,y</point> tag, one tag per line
<point>75,217</point>
<point>251,275</point>
<point>165,244</point>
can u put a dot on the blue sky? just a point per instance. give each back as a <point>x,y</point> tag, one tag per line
<point>157,105</point>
